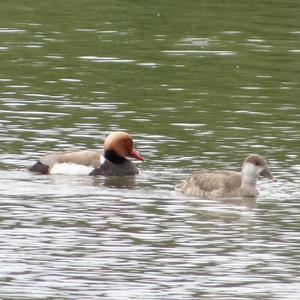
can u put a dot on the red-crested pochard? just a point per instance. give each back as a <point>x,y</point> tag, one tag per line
<point>223,183</point>
<point>111,161</point>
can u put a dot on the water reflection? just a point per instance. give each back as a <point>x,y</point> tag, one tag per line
<point>130,236</point>
<point>140,232</point>
<point>106,59</point>
<point>198,52</point>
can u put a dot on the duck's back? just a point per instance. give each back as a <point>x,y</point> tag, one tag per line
<point>89,159</point>
<point>83,157</point>
<point>211,184</point>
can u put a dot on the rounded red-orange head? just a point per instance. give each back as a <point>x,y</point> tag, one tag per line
<point>122,144</point>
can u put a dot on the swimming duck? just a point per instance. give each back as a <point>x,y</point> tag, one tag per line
<point>111,162</point>
<point>223,183</point>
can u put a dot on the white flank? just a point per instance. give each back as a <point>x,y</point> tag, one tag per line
<point>102,159</point>
<point>71,169</point>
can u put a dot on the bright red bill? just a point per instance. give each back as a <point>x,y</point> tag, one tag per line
<point>135,154</point>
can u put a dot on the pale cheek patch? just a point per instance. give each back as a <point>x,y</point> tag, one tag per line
<point>71,169</point>
<point>250,169</point>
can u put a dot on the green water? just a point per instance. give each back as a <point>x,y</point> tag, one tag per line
<point>198,84</point>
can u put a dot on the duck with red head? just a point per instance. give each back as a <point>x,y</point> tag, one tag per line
<point>111,162</point>
<point>119,145</point>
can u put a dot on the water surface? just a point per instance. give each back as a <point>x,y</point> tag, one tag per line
<point>198,85</point>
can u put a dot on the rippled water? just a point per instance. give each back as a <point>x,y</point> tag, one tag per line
<point>198,85</point>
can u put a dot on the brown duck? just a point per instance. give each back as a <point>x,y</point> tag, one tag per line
<point>223,183</point>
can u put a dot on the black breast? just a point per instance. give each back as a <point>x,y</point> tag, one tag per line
<point>109,168</point>
<point>38,167</point>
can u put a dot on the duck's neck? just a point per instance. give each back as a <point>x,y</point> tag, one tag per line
<point>112,156</point>
<point>248,181</point>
